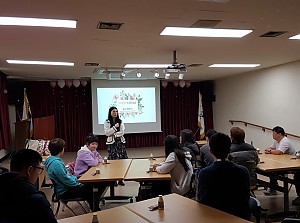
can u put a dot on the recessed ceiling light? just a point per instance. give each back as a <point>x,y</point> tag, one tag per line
<point>19,21</point>
<point>295,37</point>
<point>234,65</point>
<point>204,32</point>
<point>147,65</point>
<point>39,62</point>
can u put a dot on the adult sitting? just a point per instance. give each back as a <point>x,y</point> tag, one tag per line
<point>282,145</point>
<point>224,185</point>
<point>178,164</point>
<point>243,153</point>
<point>66,183</point>
<point>189,144</point>
<point>206,158</point>
<point>21,201</point>
<point>87,156</point>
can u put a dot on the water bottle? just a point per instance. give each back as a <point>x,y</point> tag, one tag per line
<point>95,218</point>
<point>161,204</point>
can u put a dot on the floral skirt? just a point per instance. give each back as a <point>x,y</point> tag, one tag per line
<point>117,150</point>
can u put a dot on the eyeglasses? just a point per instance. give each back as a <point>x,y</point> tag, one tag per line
<point>41,169</point>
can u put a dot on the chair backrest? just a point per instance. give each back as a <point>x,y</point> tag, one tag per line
<point>248,159</point>
<point>55,197</point>
<point>290,220</point>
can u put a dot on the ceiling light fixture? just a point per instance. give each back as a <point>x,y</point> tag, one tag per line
<point>204,32</point>
<point>180,76</point>
<point>19,21</point>
<point>138,74</point>
<point>295,37</point>
<point>234,65</point>
<point>156,74</point>
<point>123,74</point>
<point>167,76</point>
<point>31,62</point>
<point>147,66</point>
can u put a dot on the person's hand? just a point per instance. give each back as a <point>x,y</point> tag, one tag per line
<point>267,151</point>
<point>117,125</point>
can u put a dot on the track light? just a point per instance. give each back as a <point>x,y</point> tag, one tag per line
<point>138,74</point>
<point>180,76</point>
<point>156,74</point>
<point>123,74</point>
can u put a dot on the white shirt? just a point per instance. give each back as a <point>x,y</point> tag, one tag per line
<point>285,146</point>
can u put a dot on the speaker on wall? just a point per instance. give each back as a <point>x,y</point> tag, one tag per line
<point>15,92</point>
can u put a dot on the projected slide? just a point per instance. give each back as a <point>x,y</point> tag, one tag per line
<point>138,103</point>
<point>135,105</point>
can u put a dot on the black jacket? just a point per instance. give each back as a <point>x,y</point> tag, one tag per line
<point>194,150</point>
<point>22,202</point>
<point>245,155</point>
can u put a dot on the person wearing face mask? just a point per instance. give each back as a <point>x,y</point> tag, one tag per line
<point>87,156</point>
<point>114,130</point>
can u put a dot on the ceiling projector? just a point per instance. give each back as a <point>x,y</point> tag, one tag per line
<point>176,68</point>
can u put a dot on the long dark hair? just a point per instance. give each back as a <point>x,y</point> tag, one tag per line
<point>172,145</point>
<point>110,118</point>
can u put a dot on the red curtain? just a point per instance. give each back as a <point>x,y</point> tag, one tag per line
<point>5,135</point>
<point>72,110</point>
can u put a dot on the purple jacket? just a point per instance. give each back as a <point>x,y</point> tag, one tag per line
<point>85,159</point>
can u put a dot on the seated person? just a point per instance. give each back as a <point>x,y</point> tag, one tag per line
<point>282,145</point>
<point>189,144</point>
<point>178,165</point>
<point>206,158</point>
<point>224,185</point>
<point>66,184</point>
<point>87,156</point>
<point>21,201</point>
<point>243,153</point>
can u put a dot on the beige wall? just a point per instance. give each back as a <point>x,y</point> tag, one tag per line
<point>268,97</point>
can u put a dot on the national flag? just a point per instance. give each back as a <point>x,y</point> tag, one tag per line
<point>201,118</point>
<point>27,112</point>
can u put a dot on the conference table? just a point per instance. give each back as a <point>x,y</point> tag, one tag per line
<point>177,209</point>
<point>113,215</point>
<point>113,171</point>
<point>139,172</point>
<point>201,142</point>
<point>278,167</point>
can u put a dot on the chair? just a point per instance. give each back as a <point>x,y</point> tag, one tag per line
<point>58,200</point>
<point>255,208</point>
<point>290,220</point>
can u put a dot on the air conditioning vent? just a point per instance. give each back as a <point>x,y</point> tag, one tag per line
<point>273,33</point>
<point>91,64</point>
<point>109,25</point>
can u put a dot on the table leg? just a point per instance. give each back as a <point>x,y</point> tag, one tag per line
<point>286,193</point>
<point>95,198</point>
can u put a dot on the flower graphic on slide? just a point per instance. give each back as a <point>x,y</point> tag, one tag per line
<point>129,105</point>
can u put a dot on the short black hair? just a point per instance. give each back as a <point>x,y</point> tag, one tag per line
<point>186,136</point>
<point>91,138</point>
<point>56,146</point>
<point>24,158</point>
<point>220,144</point>
<point>279,130</point>
<point>210,132</point>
